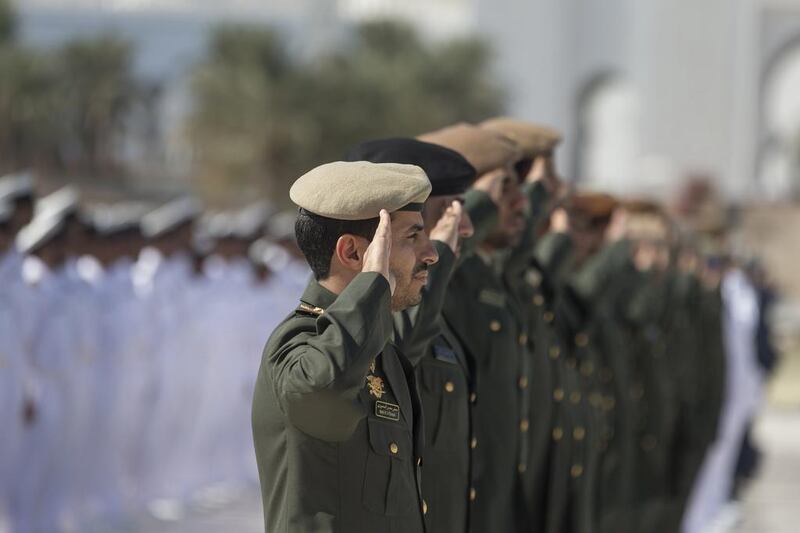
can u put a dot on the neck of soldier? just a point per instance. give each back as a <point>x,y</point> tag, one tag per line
<point>338,278</point>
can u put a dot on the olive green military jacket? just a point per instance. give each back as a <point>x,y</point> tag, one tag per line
<point>493,339</point>
<point>599,291</point>
<point>446,387</point>
<point>337,421</point>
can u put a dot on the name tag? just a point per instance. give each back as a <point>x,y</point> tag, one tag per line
<point>387,410</point>
<point>488,296</point>
<point>444,353</point>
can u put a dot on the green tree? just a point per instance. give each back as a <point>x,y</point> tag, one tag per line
<point>242,114</point>
<point>96,90</point>
<point>28,109</point>
<point>260,117</point>
<point>7,22</point>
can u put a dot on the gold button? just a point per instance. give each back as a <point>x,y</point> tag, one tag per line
<point>522,467</point>
<point>555,351</point>
<point>473,397</point>
<point>606,375</point>
<point>587,368</point>
<point>649,442</point>
<point>548,316</point>
<point>558,394</point>
<point>558,433</point>
<point>575,397</point>
<point>424,507</point>
<point>524,424</point>
<point>609,403</point>
<point>473,494</point>
<point>394,448</point>
<point>571,362</point>
<point>596,400</point>
<point>538,300</point>
<point>581,339</point>
<point>494,325</point>
<point>473,443</point>
<point>576,471</point>
<point>449,387</point>
<point>523,339</point>
<point>523,382</point>
<point>578,433</point>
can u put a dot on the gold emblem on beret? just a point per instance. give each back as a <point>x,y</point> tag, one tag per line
<point>375,385</point>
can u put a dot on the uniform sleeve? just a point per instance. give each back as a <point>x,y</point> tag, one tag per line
<point>482,212</point>
<point>520,256</point>
<point>416,327</point>
<point>317,376</point>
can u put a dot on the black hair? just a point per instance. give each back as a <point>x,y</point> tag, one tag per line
<point>317,235</point>
<point>523,167</point>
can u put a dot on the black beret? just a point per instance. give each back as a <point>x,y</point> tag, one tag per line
<point>447,170</point>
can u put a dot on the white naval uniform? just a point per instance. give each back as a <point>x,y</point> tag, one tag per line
<point>742,396</point>
<point>12,377</point>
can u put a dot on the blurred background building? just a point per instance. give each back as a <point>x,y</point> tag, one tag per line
<point>645,91</point>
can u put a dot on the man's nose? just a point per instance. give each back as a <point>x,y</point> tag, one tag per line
<point>428,253</point>
<point>465,227</point>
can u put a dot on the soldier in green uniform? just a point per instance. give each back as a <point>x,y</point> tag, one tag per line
<point>442,371</point>
<point>537,144</point>
<point>491,330</point>
<point>337,421</point>
<point>592,364</point>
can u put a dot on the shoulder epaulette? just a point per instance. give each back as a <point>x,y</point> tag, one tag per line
<point>310,309</point>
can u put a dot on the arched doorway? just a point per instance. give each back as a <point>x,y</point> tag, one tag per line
<point>607,150</point>
<point>779,158</point>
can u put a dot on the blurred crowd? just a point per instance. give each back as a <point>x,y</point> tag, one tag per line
<point>129,343</point>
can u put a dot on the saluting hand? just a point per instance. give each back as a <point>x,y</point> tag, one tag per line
<point>491,184</point>
<point>559,221</point>
<point>376,256</point>
<point>446,228</point>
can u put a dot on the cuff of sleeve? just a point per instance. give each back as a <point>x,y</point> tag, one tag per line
<point>481,209</point>
<point>447,258</point>
<point>538,196</point>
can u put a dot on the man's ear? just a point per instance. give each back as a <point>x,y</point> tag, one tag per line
<point>349,251</point>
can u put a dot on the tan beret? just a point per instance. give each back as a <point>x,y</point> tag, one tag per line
<point>485,150</point>
<point>596,206</point>
<point>533,139</point>
<point>642,206</point>
<point>358,190</point>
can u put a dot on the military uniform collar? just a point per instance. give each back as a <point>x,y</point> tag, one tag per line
<point>316,298</point>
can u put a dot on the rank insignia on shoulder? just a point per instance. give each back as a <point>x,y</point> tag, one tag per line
<point>387,410</point>
<point>375,385</point>
<point>310,309</point>
<point>495,298</point>
<point>444,353</point>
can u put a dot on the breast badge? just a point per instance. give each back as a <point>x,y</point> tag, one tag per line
<point>375,385</point>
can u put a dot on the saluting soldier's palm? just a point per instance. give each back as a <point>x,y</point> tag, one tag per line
<point>376,256</point>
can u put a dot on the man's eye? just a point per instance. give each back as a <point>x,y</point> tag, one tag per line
<point>413,236</point>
